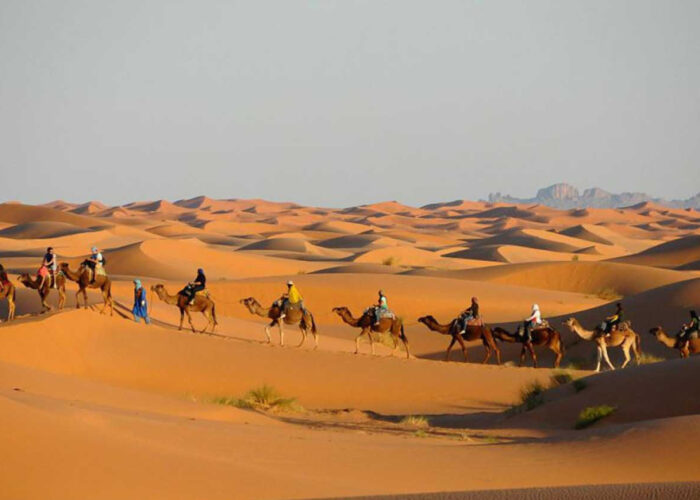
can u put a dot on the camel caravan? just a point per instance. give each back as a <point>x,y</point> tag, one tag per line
<point>532,334</point>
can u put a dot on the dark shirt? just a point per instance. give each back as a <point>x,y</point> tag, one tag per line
<point>49,258</point>
<point>473,310</point>
<point>201,279</point>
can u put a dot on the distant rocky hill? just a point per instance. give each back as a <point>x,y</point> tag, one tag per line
<point>567,196</point>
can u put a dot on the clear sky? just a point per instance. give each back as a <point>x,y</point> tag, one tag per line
<point>337,103</point>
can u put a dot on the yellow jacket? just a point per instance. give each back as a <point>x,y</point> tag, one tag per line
<point>294,295</point>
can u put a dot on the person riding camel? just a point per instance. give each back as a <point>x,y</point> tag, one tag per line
<point>532,322</point>
<point>381,308</point>
<point>688,330</point>
<point>291,298</point>
<point>199,284</point>
<point>95,262</point>
<point>471,312</point>
<point>49,266</point>
<point>611,322</point>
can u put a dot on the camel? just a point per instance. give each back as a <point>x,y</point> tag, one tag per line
<point>202,303</point>
<point>473,332</point>
<point>690,347</point>
<point>294,316</point>
<point>542,336</point>
<point>82,276</point>
<point>367,324</point>
<point>7,291</point>
<point>623,337</point>
<point>45,289</point>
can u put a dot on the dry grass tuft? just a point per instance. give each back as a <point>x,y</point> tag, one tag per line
<point>415,421</point>
<point>265,398</point>
<point>592,414</point>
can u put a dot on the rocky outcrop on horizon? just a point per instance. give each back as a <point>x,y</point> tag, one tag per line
<point>566,196</point>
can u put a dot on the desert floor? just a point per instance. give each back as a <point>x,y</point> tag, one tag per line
<point>98,407</point>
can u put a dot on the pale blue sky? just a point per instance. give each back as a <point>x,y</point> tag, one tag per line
<point>337,103</point>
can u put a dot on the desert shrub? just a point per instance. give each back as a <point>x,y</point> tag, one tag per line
<point>608,294</point>
<point>560,378</point>
<point>415,421</point>
<point>575,258</point>
<point>420,433</point>
<point>390,261</point>
<point>579,384</point>
<point>531,396</point>
<point>592,414</point>
<point>264,397</point>
<point>647,359</point>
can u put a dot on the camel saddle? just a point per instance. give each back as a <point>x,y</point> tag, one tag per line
<point>475,322</point>
<point>691,336</point>
<point>203,293</point>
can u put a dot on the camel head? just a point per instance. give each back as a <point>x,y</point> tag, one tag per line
<point>341,310</point>
<point>63,265</point>
<point>24,278</point>
<point>250,303</point>
<point>159,288</point>
<point>571,323</point>
<point>427,319</point>
<point>656,331</point>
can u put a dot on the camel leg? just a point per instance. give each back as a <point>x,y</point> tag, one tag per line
<point>599,358</point>
<point>357,341</point>
<point>315,334</point>
<point>303,335</point>
<point>449,348</point>
<point>61,298</point>
<point>85,297</point>
<point>558,357</point>
<point>279,323</point>
<point>487,350</point>
<point>105,302</point>
<point>522,355</point>
<point>182,318</point>
<point>189,320</point>
<point>371,341</point>
<point>626,351</point>
<point>532,354</point>
<point>77,299</point>
<point>462,345</point>
<point>605,356</point>
<point>209,321</point>
<point>396,345</point>
<point>267,333</point>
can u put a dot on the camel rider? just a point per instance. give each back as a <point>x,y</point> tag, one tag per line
<point>381,308</point>
<point>471,312</point>
<point>691,328</point>
<point>50,264</point>
<point>291,298</point>
<point>95,262</point>
<point>199,284</point>
<point>532,322</point>
<point>611,322</point>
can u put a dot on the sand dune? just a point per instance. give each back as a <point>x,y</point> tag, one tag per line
<point>671,254</point>
<point>580,277</point>
<point>621,389</point>
<point>91,398</point>
<point>515,254</point>
<point>41,230</point>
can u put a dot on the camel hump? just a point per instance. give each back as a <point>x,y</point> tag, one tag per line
<point>203,293</point>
